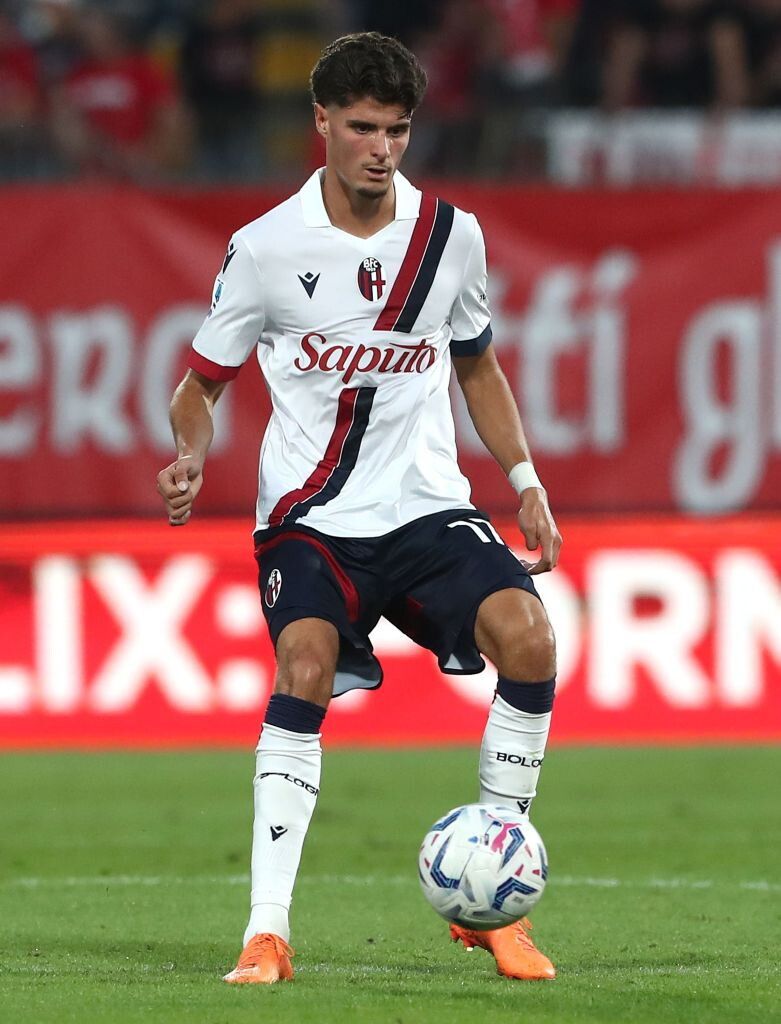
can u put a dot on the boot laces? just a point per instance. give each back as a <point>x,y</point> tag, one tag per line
<point>522,937</point>
<point>260,944</point>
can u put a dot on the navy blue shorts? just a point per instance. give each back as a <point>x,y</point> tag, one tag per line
<point>428,578</point>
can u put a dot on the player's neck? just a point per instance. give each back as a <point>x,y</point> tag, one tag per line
<point>358,215</point>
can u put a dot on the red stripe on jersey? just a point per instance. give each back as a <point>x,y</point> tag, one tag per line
<point>346,585</point>
<point>209,369</point>
<point>325,467</point>
<point>410,265</point>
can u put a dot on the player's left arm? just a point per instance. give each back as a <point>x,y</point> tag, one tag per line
<point>492,406</point>
<point>494,412</point>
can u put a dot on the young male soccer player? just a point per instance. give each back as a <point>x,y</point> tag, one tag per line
<point>359,293</point>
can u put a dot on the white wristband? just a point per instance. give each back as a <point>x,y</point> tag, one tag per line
<point>522,476</point>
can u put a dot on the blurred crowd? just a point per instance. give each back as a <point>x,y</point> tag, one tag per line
<point>216,90</point>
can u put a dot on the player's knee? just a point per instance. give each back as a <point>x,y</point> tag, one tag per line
<point>527,652</point>
<point>306,675</point>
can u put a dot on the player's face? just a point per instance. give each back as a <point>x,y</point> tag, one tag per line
<point>364,143</point>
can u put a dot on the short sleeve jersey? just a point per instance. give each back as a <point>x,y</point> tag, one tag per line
<point>354,338</point>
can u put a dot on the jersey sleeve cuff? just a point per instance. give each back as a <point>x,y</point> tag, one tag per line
<point>209,369</point>
<point>472,346</point>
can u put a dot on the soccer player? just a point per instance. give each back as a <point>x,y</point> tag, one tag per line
<point>359,293</point>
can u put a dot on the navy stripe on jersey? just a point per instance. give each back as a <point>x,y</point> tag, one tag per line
<point>410,265</point>
<point>440,232</point>
<point>347,459</point>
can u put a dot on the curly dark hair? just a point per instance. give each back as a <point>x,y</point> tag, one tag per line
<point>368,64</point>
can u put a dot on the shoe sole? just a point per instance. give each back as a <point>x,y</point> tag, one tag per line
<point>251,978</point>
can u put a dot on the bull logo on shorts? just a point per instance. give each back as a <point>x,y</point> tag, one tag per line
<point>273,587</point>
<point>370,279</point>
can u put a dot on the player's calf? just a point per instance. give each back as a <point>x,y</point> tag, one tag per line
<point>286,786</point>
<point>512,629</point>
<point>514,741</point>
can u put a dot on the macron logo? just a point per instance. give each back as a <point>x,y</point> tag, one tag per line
<point>309,281</point>
<point>277,831</point>
<point>228,257</point>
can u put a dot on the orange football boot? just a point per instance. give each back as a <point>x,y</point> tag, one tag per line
<point>264,960</point>
<point>515,954</point>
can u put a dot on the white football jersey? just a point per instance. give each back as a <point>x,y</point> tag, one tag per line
<point>354,337</point>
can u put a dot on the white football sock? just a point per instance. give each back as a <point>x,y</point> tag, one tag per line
<point>286,785</point>
<point>511,755</point>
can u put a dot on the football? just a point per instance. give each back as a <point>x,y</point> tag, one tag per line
<point>482,866</point>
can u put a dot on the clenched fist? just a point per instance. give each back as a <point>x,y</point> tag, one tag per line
<point>179,485</point>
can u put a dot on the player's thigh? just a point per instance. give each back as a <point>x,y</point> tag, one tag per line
<point>449,564</point>
<point>513,630</point>
<point>310,599</point>
<point>307,652</point>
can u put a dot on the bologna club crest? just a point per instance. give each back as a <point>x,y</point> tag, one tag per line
<point>370,279</point>
<point>273,587</point>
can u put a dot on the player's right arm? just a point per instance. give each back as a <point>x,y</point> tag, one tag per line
<point>191,412</point>
<point>228,335</point>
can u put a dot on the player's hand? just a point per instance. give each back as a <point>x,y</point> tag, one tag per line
<point>179,485</point>
<point>539,530</point>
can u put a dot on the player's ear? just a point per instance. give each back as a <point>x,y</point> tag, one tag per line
<point>321,119</point>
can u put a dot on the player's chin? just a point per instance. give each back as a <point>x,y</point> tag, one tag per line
<point>374,191</point>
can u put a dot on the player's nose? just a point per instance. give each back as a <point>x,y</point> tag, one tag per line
<point>380,146</point>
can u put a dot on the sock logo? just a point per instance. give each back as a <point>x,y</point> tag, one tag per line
<point>277,831</point>
<point>519,759</point>
<point>273,587</point>
<point>524,805</point>
<point>296,782</point>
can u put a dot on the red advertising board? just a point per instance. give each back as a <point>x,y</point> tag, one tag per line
<point>131,633</point>
<point>640,332</point>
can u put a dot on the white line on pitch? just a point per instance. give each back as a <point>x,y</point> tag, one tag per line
<point>571,881</point>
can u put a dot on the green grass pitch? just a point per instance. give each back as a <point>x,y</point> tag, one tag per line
<point>123,891</point>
